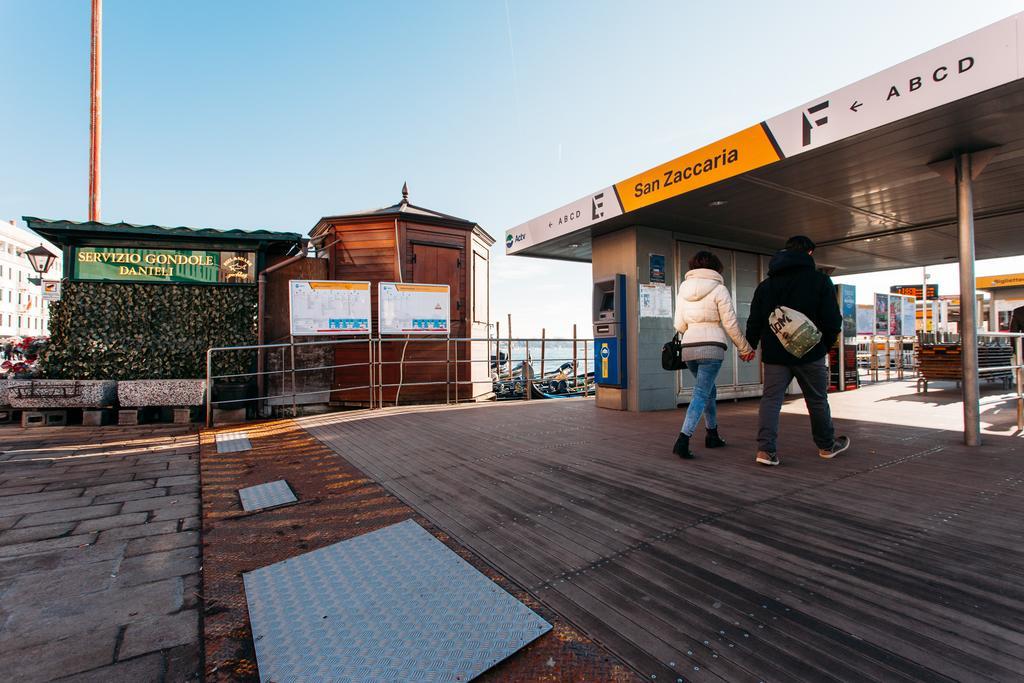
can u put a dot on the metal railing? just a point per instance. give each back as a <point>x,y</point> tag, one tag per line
<point>459,385</point>
<point>1017,368</point>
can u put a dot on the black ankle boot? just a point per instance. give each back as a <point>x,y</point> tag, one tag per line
<point>713,440</point>
<point>682,447</point>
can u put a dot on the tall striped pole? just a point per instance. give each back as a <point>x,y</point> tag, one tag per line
<point>95,112</point>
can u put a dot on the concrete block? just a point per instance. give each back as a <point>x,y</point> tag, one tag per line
<point>140,569</point>
<point>143,393</point>
<point>182,416</point>
<point>128,417</point>
<point>162,543</point>
<point>44,418</point>
<point>160,503</point>
<point>32,418</point>
<point>35,533</point>
<point>50,659</point>
<point>58,393</point>
<point>179,480</point>
<point>148,668</point>
<point>140,531</point>
<point>93,417</point>
<point>70,515</point>
<point>112,522</point>
<point>228,415</point>
<point>17,549</point>
<point>160,633</point>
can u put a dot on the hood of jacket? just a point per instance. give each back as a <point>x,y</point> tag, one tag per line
<point>700,282</point>
<point>785,261</point>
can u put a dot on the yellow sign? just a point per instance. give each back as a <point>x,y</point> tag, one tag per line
<point>604,361</point>
<point>997,281</point>
<point>348,286</point>
<point>421,288</point>
<point>731,156</point>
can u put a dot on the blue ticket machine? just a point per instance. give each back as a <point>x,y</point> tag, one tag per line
<point>610,332</point>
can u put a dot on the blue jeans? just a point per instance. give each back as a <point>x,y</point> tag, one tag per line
<point>705,394</point>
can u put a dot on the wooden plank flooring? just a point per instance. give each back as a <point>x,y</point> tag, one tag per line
<point>903,560</point>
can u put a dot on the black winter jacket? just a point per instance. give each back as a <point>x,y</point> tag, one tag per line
<point>794,281</point>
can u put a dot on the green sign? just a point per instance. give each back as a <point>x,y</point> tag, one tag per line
<point>125,264</point>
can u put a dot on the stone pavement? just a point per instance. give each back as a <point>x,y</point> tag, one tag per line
<point>99,554</point>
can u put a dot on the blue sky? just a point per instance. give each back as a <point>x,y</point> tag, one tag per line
<point>272,114</point>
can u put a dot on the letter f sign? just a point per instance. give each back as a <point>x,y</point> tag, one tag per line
<point>812,123</point>
<point>598,205</point>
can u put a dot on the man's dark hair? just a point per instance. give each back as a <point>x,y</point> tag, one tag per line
<point>799,243</point>
<point>705,259</point>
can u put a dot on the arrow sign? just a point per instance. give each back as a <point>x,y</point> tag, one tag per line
<point>856,105</point>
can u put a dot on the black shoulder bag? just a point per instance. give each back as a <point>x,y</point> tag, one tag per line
<point>672,354</point>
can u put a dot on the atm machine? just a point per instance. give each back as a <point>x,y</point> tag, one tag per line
<point>610,333</point>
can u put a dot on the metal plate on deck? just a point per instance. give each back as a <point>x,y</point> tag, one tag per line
<point>263,496</point>
<point>233,442</point>
<point>391,605</point>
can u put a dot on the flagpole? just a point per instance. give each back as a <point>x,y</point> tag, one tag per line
<point>95,110</point>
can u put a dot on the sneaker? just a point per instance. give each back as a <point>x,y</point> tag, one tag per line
<point>838,446</point>
<point>766,458</point>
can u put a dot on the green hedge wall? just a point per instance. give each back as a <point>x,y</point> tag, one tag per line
<point>101,330</point>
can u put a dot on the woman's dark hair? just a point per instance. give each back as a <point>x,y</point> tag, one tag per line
<point>705,259</point>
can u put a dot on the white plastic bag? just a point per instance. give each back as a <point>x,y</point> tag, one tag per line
<point>795,331</point>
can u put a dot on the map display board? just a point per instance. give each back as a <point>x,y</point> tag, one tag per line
<point>413,308</point>
<point>909,328</point>
<point>329,307</point>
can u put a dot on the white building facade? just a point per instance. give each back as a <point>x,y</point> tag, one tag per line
<point>23,313</point>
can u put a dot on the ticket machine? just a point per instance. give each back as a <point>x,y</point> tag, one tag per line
<point>610,332</point>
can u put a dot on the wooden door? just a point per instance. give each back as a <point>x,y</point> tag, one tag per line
<point>437,265</point>
<point>442,265</point>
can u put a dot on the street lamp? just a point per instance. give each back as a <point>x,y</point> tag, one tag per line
<point>41,260</point>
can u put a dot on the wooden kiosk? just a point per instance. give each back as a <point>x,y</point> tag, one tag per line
<point>410,244</point>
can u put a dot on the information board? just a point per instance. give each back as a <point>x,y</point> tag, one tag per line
<point>328,307</point>
<point>413,308</point>
<point>882,314</point>
<point>655,301</point>
<point>895,315</point>
<point>865,319</point>
<point>847,295</point>
<point>909,316</point>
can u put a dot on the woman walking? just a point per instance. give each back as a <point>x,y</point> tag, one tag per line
<point>704,315</point>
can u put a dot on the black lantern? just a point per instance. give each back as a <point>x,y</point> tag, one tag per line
<point>41,259</point>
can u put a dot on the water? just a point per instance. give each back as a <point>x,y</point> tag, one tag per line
<point>555,353</point>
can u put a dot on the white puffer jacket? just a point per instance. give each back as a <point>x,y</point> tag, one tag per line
<point>705,312</point>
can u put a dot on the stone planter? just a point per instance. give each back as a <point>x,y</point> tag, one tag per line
<point>144,393</point>
<point>61,393</point>
<point>4,398</point>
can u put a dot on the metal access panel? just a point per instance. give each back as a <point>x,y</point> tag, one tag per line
<point>232,442</point>
<point>391,605</point>
<point>263,496</point>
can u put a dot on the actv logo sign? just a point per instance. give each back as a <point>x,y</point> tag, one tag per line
<point>511,239</point>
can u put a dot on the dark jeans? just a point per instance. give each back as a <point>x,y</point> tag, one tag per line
<point>813,380</point>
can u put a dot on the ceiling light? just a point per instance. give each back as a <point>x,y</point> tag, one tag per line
<point>718,202</point>
<point>574,245</point>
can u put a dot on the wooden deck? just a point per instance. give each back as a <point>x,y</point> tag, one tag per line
<point>902,560</point>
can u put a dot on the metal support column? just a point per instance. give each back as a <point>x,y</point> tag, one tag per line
<point>968,309</point>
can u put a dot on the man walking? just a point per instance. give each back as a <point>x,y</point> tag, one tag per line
<point>794,281</point>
